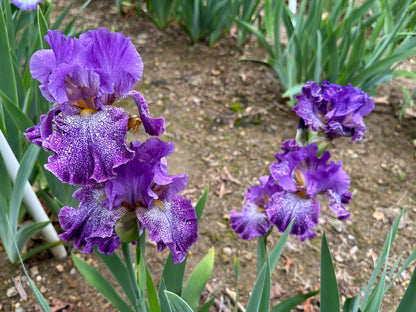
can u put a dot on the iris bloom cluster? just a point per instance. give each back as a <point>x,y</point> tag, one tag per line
<point>299,177</point>
<point>123,188</point>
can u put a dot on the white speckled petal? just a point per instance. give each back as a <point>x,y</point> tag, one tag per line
<point>91,224</point>
<point>88,148</point>
<point>173,224</point>
<point>250,222</point>
<point>286,206</point>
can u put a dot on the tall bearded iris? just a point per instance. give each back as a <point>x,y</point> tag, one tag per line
<point>291,192</point>
<point>142,195</point>
<point>83,78</point>
<point>333,109</point>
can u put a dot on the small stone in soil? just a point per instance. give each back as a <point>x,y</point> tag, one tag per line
<point>336,224</point>
<point>338,258</point>
<point>34,270</point>
<point>73,271</point>
<point>227,251</point>
<point>11,292</point>
<point>59,268</point>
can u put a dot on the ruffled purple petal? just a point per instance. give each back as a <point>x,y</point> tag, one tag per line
<point>65,49</point>
<point>251,222</point>
<point>26,5</point>
<point>260,195</point>
<point>40,132</point>
<point>42,65</point>
<point>311,106</point>
<point>91,224</point>
<point>284,207</point>
<point>114,55</point>
<point>327,177</point>
<point>336,110</point>
<point>88,148</point>
<point>152,126</point>
<point>293,158</point>
<point>72,83</point>
<point>336,203</point>
<point>172,224</point>
<point>144,179</point>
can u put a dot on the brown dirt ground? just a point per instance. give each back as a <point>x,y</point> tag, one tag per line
<point>193,87</point>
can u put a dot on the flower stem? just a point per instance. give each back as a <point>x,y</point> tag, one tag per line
<point>261,252</point>
<point>132,277</point>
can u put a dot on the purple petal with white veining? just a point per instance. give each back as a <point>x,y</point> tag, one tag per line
<point>251,222</point>
<point>336,110</point>
<point>173,224</point>
<point>88,148</point>
<point>285,206</point>
<point>91,224</point>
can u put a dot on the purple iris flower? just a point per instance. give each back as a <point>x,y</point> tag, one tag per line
<point>83,78</point>
<point>333,109</point>
<point>253,220</point>
<point>303,176</point>
<point>26,5</point>
<point>290,192</point>
<point>142,189</point>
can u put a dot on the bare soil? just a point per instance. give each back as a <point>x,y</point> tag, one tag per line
<point>196,88</point>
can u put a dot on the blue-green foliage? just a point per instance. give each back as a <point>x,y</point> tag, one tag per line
<point>21,104</point>
<point>201,19</point>
<point>160,12</point>
<point>338,41</point>
<point>205,18</point>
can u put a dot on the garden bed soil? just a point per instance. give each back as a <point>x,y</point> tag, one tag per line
<point>227,119</point>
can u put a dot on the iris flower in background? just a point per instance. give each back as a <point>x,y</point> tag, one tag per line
<point>141,195</point>
<point>253,220</point>
<point>333,109</point>
<point>83,78</point>
<point>291,192</point>
<point>26,5</point>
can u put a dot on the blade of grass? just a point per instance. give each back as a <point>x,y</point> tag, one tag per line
<point>329,288</point>
<point>101,284</point>
<point>7,78</point>
<point>291,303</point>
<point>116,266</point>
<point>408,302</point>
<point>198,279</point>
<point>383,254</point>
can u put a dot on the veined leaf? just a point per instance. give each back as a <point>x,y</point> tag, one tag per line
<point>200,206</point>
<point>101,284</point>
<point>151,293</point>
<point>292,302</point>
<point>383,255</point>
<point>351,304</point>
<point>23,174</point>
<point>119,271</point>
<point>7,78</point>
<point>26,232</point>
<point>329,287</point>
<point>408,301</point>
<point>198,279</point>
<point>176,303</point>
